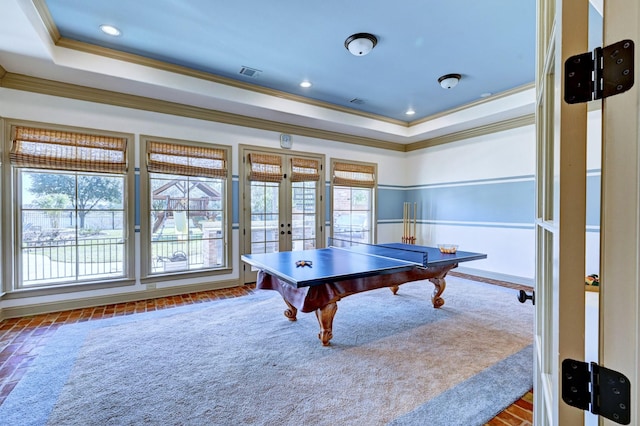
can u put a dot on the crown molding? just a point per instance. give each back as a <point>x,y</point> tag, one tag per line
<point>512,123</point>
<point>47,19</point>
<point>189,72</point>
<point>53,88</point>
<point>506,93</point>
<point>72,91</point>
<point>165,66</point>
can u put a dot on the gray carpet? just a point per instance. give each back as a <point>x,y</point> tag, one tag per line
<point>393,360</point>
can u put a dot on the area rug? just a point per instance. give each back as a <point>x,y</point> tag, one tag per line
<point>393,360</point>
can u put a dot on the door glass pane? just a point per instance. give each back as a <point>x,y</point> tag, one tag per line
<point>264,217</point>
<point>303,215</point>
<point>551,164</point>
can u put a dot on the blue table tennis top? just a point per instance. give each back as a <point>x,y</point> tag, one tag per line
<point>336,264</point>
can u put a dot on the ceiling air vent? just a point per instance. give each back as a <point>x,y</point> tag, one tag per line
<point>250,72</point>
<point>356,101</point>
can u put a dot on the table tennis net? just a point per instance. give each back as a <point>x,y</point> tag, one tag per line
<point>413,255</point>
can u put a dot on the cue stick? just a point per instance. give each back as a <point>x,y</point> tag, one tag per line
<point>408,223</point>
<point>404,221</point>
<point>415,219</point>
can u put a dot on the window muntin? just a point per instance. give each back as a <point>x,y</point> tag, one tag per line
<point>187,207</point>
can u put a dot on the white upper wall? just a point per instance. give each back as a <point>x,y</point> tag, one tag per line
<point>505,154</point>
<point>50,109</point>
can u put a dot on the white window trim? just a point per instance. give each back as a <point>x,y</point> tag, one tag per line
<point>374,193</point>
<point>10,221</point>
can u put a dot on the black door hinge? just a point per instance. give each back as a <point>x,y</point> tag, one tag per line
<point>605,72</point>
<point>600,390</point>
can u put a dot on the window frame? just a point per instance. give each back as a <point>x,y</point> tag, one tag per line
<point>146,275</point>
<point>3,280</point>
<point>374,199</point>
<point>11,222</point>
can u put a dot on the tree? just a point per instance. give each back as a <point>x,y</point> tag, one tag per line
<point>84,191</point>
<point>53,203</point>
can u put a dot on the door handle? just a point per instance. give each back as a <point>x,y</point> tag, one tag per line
<point>523,296</point>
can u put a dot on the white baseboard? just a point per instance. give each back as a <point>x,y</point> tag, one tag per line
<point>90,302</point>
<point>496,276</point>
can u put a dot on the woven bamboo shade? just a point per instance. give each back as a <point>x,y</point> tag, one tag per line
<point>186,160</point>
<point>52,149</point>
<point>350,174</point>
<point>265,167</point>
<point>304,170</point>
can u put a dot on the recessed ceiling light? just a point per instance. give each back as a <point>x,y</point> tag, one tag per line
<point>110,30</point>
<point>410,111</point>
<point>305,84</point>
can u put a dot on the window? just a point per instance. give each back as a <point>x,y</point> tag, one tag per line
<point>70,194</point>
<point>352,186</point>
<point>186,215</point>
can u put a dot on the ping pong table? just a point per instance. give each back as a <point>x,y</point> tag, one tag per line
<point>315,280</point>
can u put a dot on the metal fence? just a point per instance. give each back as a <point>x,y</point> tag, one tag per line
<point>63,259</point>
<point>100,220</point>
<point>56,256</point>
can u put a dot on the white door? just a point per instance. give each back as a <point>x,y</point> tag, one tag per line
<point>282,202</point>
<point>620,213</point>
<point>559,262</point>
<point>560,210</point>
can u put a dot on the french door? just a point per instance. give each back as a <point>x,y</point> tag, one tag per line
<point>282,202</point>
<point>560,224</point>
<point>620,213</point>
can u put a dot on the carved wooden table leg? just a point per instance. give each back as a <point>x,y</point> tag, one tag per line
<point>394,289</point>
<point>440,284</point>
<point>291,312</point>
<point>325,319</point>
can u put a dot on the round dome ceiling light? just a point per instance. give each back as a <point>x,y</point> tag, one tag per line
<point>360,44</point>
<point>449,81</point>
